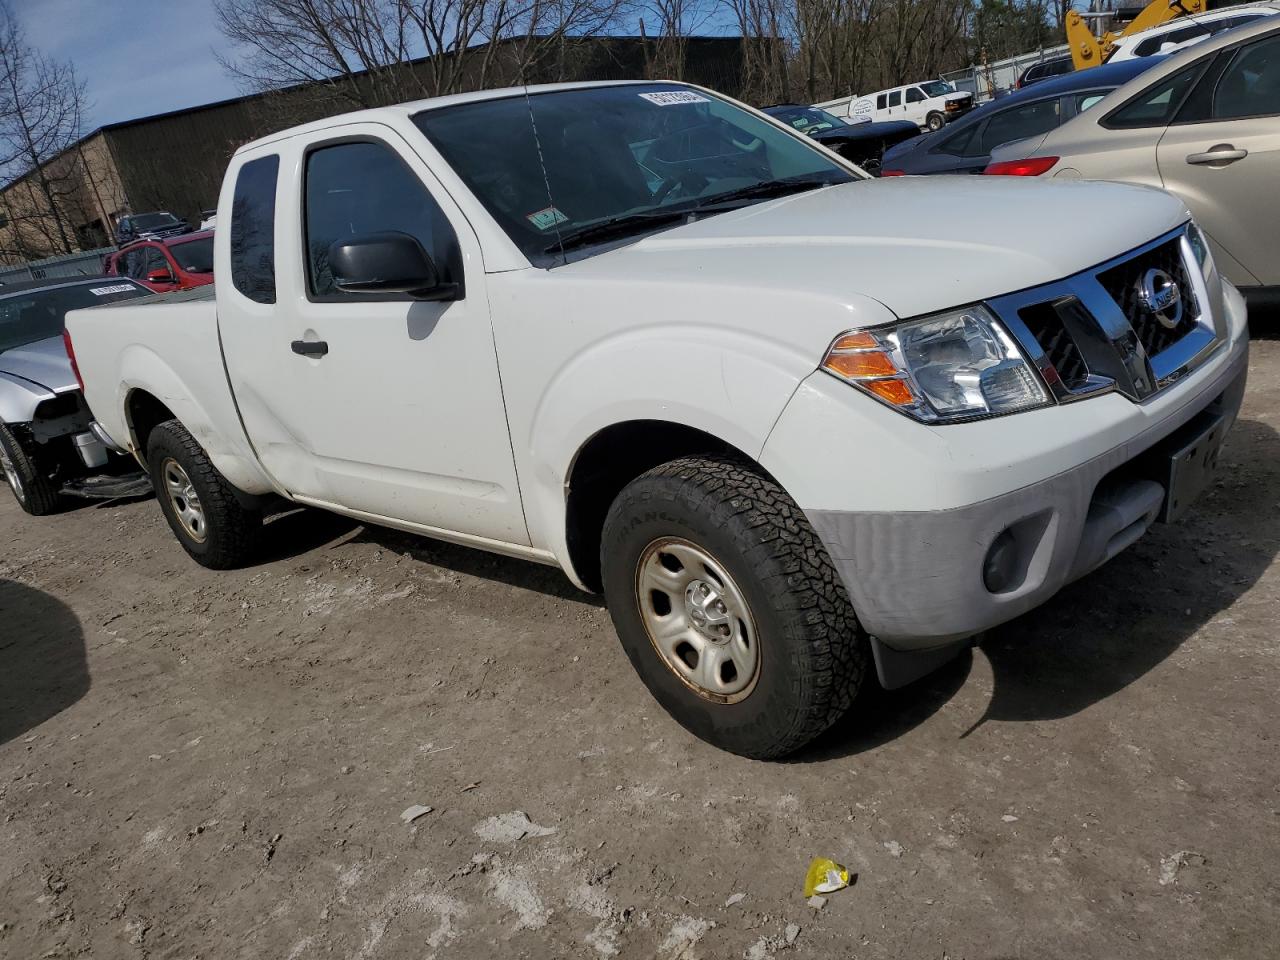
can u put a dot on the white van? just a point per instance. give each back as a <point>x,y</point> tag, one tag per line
<point>931,104</point>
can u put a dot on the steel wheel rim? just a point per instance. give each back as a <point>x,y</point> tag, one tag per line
<point>11,475</point>
<point>184,500</point>
<point>698,620</point>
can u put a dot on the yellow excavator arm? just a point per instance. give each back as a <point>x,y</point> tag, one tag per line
<point>1089,51</point>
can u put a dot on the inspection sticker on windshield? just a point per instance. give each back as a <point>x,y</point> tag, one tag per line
<point>670,97</point>
<point>546,218</point>
<point>114,288</point>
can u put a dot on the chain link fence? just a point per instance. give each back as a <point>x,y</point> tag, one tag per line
<point>87,263</point>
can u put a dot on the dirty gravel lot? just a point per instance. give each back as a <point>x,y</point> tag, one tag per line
<point>208,765</point>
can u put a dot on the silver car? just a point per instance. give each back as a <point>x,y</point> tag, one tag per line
<point>48,445</point>
<point>1204,125</point>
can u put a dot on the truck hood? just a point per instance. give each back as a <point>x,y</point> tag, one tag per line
<point>915,244</point>
<point>43,363</point>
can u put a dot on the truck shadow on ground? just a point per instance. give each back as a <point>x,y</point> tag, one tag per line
<point>1111,628</point>
<point>43,669</point>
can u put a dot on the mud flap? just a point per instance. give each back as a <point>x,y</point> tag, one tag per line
<point>897,668</point>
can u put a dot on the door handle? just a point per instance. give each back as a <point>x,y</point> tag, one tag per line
<point>1223,153</point>
<point>310,348</point>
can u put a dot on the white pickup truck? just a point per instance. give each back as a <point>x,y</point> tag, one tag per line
<point>649,335</point>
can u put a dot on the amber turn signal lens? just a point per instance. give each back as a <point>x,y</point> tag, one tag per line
<point>856,341</point>
<point>896,392</point>
<point>858,366</point>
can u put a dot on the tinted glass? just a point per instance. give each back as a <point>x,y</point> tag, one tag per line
<point>914,96</point>
<point>605,153</point>
<point>361,188</point>
<point>194,256</point>
<point>156,261</point>
<point>154,221</point>
<point>1156,105</point>
<point>895,98</point>
<point>806,119</point>
<point>881,100</point>
<point>38,315</point>
<point>253,226</point>
<point>1250,86</point>
<point>959,144</point>
<point>1027,120</point>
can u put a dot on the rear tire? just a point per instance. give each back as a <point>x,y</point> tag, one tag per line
<point>198,501</point>
<point>34,492</point>
<point>729,608</point>
<point>935,122</point>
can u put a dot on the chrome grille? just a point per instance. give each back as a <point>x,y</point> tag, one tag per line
<point>1122,283</point>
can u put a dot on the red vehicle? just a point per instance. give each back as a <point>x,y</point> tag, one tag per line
<point>173,263</point>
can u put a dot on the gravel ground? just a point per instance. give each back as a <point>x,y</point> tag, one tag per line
<point>198,764</point>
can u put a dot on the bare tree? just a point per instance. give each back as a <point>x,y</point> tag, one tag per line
<point>41,108</point>
<point>365,53</point>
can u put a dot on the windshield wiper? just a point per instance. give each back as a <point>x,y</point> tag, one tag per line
<point>613,227</point>
<point>762,191</point>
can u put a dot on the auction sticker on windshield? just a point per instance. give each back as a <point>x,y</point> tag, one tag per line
<point>670,97</point>
<point>114,288</point>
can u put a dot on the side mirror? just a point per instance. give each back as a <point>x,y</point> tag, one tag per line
<point>387,262</point>
<point>160,276</point>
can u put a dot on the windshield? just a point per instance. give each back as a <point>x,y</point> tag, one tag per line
<point>153,221</point>
<point>37,315</point>
<point>936,88</point>
<point>642,153</point>
<point>807,119</point>
<point>194,256</point>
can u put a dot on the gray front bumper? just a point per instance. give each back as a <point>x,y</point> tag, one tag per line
<point>916,578</point>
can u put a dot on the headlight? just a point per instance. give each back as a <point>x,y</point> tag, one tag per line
<point>1200,247</point>
<point>956,365</point>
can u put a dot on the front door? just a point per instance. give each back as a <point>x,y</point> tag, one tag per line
<point>379,404</point>
<point>1225,164</point>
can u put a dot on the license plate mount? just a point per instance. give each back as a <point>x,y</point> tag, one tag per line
<point>1191,459</point>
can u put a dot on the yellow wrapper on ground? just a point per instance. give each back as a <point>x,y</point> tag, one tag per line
<point>825,876</point>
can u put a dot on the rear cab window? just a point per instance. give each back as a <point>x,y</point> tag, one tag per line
<point>253,223</point>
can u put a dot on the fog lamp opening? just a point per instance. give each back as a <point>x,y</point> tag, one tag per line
<point>1001,571</point>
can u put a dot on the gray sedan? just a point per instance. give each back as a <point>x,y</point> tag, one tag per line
<point>48,447</point>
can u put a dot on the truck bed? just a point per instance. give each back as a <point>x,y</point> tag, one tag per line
<point>171,343</point>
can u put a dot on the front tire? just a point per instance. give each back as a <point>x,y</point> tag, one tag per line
<point>200,505</point>
<point>935,122</point>
<point>34,492</point>
<point>729,608</point>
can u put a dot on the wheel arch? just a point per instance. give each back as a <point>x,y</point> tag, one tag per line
<point>610,459</point>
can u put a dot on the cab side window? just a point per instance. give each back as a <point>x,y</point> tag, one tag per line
<point>895,98</point>
<point>253,228</point>
<point>364,187</point>
<point>1250,86</point>
<point>914,95</point>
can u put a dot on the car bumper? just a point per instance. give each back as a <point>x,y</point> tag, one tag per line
<point>915,572</point>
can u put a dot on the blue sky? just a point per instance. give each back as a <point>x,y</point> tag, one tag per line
<point>138,57</point>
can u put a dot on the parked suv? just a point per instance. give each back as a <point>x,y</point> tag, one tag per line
<point>149,226</point>
<point>1188,31</point>
<point>165,265</point>
<point>1043,70</point>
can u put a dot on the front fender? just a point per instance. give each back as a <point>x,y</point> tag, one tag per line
<point>687,375</point>
<point>19,399</point>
